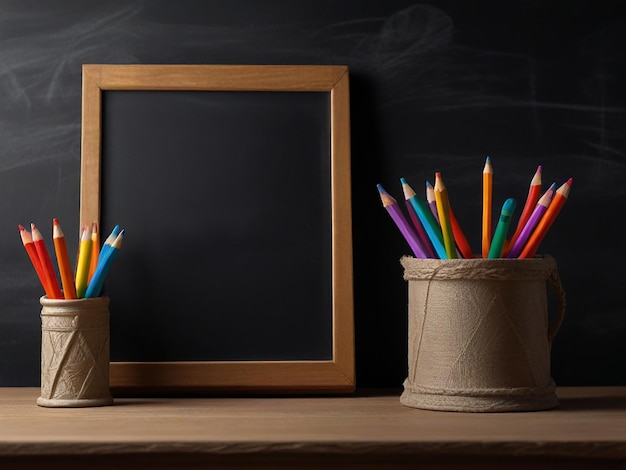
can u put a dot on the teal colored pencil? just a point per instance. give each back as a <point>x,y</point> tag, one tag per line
<point>426,218</point>
<point>499,236</point>
<point>97,280</point>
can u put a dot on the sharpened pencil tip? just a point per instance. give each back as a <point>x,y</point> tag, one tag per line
<point>402,181</point>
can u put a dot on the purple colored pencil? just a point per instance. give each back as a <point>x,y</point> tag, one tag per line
<point>391,205</point>
<point>533,220</point>
<point>432,200</point>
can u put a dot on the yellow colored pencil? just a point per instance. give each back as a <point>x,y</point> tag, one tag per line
<point>84,261</point>
<point>443,210</point>
<point>487,202</point>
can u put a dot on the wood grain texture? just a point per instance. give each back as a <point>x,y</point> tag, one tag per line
<point>367,430</point>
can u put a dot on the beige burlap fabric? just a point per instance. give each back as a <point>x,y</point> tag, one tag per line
<point>480,333</point>
<point>74,353</point>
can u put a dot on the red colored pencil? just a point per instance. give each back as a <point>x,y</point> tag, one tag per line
<point>459,238</point>
<point>531,202</point>
<point>46,263</point>
<point>27,241</point>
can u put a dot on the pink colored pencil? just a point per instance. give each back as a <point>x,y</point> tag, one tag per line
<point>432,200</point>
<point>421,233</point>
<point>533,220</point>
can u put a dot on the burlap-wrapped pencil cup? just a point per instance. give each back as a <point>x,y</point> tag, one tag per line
<point>480,334</point>
<point>75,352</point>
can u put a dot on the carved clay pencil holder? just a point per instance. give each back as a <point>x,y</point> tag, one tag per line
<point>75,352</point>
<point>479,334</point>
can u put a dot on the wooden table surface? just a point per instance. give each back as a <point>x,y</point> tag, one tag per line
<point>366,430</point>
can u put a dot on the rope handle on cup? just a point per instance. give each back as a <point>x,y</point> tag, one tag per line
<point>555,282</point>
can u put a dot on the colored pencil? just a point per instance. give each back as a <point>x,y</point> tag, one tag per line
<point>432,200</point>
<point>426,218</point>
<point>487,196</point>
<point>443,209</point>
<point>108,242</point>
<point>459,237</point>
<point>84,261</point>
<point>391,205</point>
<point>95,248</point>
<point>462,244</point>
<point>95,285</point>
<point>27,241</point>
<point>502,227</point>
<point>559,199</point>
<point>533,220</point>
<point>46,263</point>
<point>419,229</point>
<point>65,270</point>
<point>534,192</point>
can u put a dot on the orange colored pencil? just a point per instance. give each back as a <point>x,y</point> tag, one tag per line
<point>534,192</point>
<point>27,241</point>
<point>60,248</point>
<point>46,263</point>
<point>559,199</point>
<point>487,202</point>
<point>95,249</point>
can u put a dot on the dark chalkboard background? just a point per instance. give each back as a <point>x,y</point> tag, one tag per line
<point>435,86</point>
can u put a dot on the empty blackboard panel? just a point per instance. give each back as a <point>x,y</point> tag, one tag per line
<point>229,199</point>
<point>226,196</point>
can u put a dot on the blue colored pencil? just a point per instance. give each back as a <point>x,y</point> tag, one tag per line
<point>95,285</point>
<point>107,243</point>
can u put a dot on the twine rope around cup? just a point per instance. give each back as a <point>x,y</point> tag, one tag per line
<point>543,267</point>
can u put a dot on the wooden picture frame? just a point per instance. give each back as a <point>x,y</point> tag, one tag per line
<point>333,375</point>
